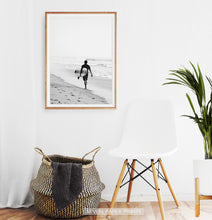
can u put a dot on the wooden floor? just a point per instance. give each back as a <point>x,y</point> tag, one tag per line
<point>150,212</point>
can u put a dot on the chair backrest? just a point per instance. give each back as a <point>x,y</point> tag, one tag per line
<point>149,127</point>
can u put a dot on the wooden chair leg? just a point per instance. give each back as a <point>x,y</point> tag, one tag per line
<point>131,182</point>
<point>117,188</point>
<point>197,198</point>
<point>157,189</point>
<point>168,182</point>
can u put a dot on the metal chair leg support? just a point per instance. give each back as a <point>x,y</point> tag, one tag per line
<point>155,176</point>
<point>157,189</point>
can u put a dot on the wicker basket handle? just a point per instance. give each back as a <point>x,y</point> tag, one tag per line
<point>96,150</point>
<point>48,161</point>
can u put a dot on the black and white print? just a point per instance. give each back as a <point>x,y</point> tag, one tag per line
<point>80,60</point>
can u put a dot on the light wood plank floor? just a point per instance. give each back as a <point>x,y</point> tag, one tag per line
<point>150,212</point>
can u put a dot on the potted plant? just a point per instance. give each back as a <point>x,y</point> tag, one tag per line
<point>202,116</point>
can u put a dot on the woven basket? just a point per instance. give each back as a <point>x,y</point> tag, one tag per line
<point>88,199</point>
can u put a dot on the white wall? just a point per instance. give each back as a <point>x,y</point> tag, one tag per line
<point>152,38</point>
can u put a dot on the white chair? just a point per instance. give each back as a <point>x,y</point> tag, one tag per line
<point>149,132</point>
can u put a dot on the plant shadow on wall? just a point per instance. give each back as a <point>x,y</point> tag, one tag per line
<point>203,113</point>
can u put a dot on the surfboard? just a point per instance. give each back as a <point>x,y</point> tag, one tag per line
<point>84,72</point>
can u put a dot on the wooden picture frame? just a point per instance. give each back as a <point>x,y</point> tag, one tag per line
<point>79,45</point>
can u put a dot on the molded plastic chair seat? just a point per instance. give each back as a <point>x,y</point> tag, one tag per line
<point>149,130</point>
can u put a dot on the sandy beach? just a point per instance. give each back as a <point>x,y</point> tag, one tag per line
<point>66,88</point>
<point>65,93</point>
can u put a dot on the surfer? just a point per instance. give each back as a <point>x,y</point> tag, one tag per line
<point>84,70</point>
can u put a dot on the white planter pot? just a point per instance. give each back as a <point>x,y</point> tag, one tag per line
<point>203,170</point>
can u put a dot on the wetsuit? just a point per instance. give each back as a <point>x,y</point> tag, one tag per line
<point>84,69</point>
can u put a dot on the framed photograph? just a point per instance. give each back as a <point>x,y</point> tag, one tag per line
<point>80,59</point>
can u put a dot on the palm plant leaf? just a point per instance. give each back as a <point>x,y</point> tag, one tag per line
<point>201,85</point>
<point>191,104</point>
<point>194,68</point>
<point>209,80</point>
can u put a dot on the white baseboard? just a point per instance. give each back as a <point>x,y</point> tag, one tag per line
<point>143,198</point>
